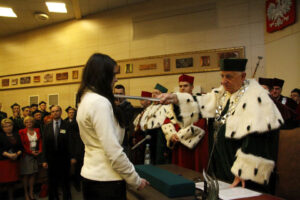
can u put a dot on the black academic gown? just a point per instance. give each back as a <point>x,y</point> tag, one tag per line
<point>224,153</point>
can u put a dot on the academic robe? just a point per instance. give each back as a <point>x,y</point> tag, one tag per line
<point>246,144</point>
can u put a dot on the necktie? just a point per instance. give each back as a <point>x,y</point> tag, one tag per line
<point>56,132</point>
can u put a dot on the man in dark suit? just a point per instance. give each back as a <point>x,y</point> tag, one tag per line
<point>76,147</point>
<point>56,155</point>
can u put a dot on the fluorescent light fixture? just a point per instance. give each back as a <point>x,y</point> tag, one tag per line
<point>56,7</point>
<point>7,12</point>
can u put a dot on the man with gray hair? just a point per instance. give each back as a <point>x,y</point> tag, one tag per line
<point>56,155</point>
<point>244,132</point>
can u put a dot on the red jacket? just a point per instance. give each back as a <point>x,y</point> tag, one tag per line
<point>25,140</point>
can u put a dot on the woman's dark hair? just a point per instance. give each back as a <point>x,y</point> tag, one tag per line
<point>98,76</point>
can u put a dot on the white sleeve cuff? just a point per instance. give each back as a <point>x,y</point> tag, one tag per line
<point>254,168</point>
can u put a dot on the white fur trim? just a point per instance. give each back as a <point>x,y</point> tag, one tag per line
<point>168,130</point>
<point>189,110</point>
<point>208,103</point>
<point>255,112</point>
<point>154,116</point>
<point>190,136</point>
<point>246,165</point>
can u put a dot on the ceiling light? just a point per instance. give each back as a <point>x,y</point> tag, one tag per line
<point>7,12</point>
<point>56,7</point>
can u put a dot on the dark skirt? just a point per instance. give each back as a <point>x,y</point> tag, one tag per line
<point>9,171</point>
<point>106,190</point>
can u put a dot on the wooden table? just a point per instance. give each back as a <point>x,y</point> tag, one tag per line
<point>150,193</point>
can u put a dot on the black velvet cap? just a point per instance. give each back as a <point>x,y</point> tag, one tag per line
<point>233,64</point>
<point>266,81</point>
<point>42,102</point>
<point>15,104</point>
<point>296,90</point>
<point>23,108</point>
<point>37,111</point>
<point>69,107</point>
<point>278,82</point>
<point>33,105</point>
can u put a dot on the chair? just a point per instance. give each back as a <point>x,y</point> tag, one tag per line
<point>288,164</point>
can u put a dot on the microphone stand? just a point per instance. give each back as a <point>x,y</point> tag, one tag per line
<point>148,137</point>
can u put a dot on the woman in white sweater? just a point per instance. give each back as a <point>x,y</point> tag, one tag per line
<point>106,168</point>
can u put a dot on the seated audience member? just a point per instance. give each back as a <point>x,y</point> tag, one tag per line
<point>10,150</point>
<point>56,155</point>
<point>32,143</point>
<point>16,117</point>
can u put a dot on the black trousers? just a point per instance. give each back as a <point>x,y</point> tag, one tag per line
<point>58,176</point>
<point>103,190</point>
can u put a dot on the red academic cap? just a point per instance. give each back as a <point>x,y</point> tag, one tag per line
<point>146,94</point>
<point>186,78</point>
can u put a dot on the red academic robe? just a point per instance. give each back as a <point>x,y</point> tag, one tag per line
<point>196,158</point>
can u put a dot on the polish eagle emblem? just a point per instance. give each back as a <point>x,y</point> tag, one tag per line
<point>277,12</point>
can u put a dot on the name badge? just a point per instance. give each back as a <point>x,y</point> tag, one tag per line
<point>63,131</point>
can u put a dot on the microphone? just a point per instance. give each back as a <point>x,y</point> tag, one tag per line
<point>259,57</point>
<point>148,137</point>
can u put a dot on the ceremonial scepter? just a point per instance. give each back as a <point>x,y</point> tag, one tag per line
<point>257,64</point>
<point>136,97</point>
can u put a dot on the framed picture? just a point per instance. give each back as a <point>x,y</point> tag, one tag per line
<point>58,76</point>
<point>184,62</point>
<point>167,64</point>
<point>25,80</point>
<point>64,76</point>
<point>129,68</point>
<point>5,82</point>
<point>205,61</point>
<point>48,78</point>
<point>118,69</point>
<point>147,67</point>
<point>36,79</point>
<point>75,74</point>
<point>14,81</point>
<point>228,54</point>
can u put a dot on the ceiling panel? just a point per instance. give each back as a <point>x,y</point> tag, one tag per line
<point>26,9</point>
